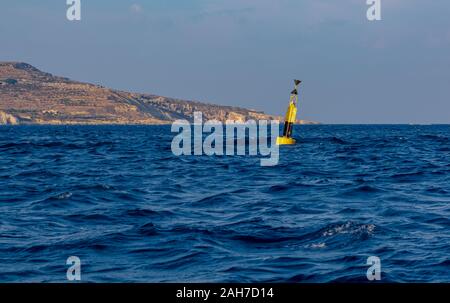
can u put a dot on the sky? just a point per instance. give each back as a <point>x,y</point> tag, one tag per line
<point>247,52</point>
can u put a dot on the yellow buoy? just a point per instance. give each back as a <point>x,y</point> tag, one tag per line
<point>290,118</point>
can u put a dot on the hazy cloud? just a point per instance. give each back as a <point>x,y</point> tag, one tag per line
<point>136,8</point>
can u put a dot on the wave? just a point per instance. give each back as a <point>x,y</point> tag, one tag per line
<point>121,201</point>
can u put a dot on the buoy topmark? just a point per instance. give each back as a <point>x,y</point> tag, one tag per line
<point>291,116</point>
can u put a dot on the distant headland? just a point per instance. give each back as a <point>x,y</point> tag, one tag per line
<point>30,96</point>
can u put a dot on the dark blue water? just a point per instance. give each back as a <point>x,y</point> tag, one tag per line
<point>116,197</point>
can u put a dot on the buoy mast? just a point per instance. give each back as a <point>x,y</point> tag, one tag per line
<point>291,116</point>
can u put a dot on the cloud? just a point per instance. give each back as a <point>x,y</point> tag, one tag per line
<point>136,8</point>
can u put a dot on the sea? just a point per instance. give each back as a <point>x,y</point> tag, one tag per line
<point>118,200</point>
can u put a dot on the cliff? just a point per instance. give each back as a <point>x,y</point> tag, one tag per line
<point>30,96</point>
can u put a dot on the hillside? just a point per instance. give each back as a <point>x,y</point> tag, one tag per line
<point>30,96</point>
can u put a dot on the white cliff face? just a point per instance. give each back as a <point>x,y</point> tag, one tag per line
<point>7,119</point>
